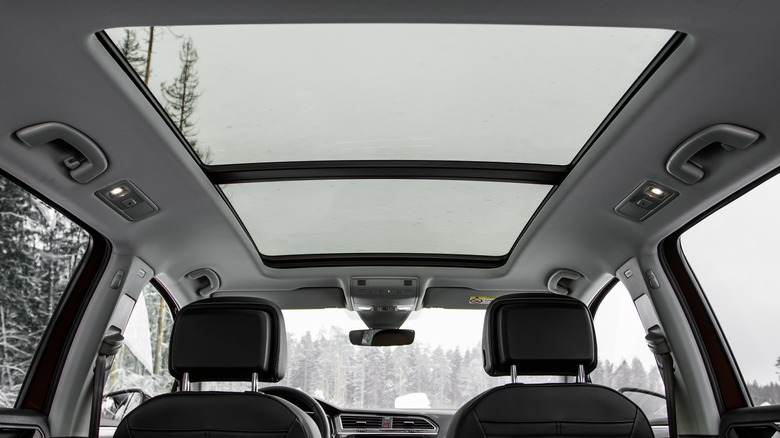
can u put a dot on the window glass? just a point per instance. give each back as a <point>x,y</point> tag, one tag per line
<point>625,361</point>
<point>388,91</point>
<point>733,253</point>
<point>140,369</point>
<point>385,216</point>
<point>39,251</point>
<point>442,369</point>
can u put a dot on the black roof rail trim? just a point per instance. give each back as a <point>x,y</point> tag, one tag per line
<point>381,259</point>
<point>388,169</point>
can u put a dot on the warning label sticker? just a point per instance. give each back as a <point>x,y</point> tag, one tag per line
<point>480,300</point>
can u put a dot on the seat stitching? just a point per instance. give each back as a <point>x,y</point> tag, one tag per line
<point>632,421</point>
<point>183,429</point>
<point>636,413</point>
<point>479,423</point>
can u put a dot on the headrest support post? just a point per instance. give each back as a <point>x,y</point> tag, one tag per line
<point>581,377</point>
<point>255,382</point>
<point>513,371</point>
<point>185,382</point>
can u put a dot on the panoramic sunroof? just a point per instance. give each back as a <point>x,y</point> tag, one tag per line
<point>464,92</point>
<point>385,216</point>
<point>371,139</point>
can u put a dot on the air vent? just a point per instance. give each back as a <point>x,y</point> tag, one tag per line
<point>360,422</point>
<point>412,423</point>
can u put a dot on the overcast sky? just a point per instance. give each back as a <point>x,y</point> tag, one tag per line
<point>358,91</point>
<point>734,255</point>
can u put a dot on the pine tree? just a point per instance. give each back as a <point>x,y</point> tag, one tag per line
<point>181,95</point>
<point>149,52</point>
<point>130,48</point>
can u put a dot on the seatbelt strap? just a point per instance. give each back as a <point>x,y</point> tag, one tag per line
<point>108,349</point>
<point>663,357</point>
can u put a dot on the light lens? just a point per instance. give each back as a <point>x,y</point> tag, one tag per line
<point>655,192</point>
<point>117,192</point>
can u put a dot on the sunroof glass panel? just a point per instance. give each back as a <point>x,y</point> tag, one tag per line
<point>465,92</point>
<point>385,216</point>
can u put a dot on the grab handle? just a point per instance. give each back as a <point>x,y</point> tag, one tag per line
<point>730,137</point>
<point>82,169</point>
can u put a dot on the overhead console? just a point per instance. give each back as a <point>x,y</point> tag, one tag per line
<point>384,302</point>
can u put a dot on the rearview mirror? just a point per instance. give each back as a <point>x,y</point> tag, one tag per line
<point>381,337</point>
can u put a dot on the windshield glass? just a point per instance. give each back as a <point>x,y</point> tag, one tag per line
<point>441,369</point>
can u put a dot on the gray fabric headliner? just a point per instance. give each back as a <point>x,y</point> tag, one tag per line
<point>725,71</point>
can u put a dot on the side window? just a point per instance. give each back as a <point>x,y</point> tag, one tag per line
<point>140,369</point>
<point>733,254</point>
<point>625,362</point>
<point>39,251</point>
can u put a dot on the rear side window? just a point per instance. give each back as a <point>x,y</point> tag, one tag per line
<point>625,362</point>
<point>734,255</point>
<point>39,251</point>
<point>140,369</point>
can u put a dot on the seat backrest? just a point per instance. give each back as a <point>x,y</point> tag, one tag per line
<point>544,334</point>
<point>223,339</point>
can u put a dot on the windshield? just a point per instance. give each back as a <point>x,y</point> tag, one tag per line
<point>442,369</point>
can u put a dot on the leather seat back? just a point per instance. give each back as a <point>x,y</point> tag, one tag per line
<point>544,334</point>
<point>223,339</point>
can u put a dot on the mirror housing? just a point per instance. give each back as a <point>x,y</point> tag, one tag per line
<point>381,337</point>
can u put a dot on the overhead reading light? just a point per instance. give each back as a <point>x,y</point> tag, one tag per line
<point>645,200</point>
<point>656,192</point>
<point>126,199</point>
<point>117,192</point>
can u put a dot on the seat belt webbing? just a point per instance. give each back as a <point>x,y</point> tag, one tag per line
<point>108,349</point>
<point>663,356</point>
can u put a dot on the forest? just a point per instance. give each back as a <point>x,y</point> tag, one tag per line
<point>325,365</point>
<point>39,250</point>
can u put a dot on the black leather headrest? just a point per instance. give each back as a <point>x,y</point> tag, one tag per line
<point>228,339</point>
<point>541,334</point>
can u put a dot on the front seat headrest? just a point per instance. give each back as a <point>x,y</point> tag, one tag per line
<point>228,339</point>
<point>541,334</point>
